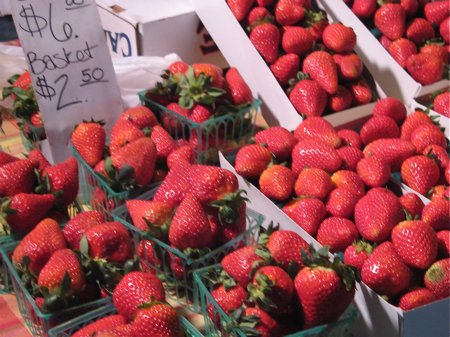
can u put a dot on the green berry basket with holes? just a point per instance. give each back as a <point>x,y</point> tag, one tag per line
<point>31,136</point>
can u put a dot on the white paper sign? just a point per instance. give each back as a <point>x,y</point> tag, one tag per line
<point>70,65</point>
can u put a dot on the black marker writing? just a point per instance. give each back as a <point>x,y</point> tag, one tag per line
<point>35,23</point>
<point>43,89</point>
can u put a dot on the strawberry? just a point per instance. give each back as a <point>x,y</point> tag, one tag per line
<point>349,66</point>
<point>316,22</point>
<point>240,8</point>
<point>279,141</point>
<point>289,206</point>
<point>262,322</point>
<point>182,153</point>
<point>313,182</point>
<point>394,151</point>
<point>357,253</point>
<point>110,241</point>
<point>174,185</point>
<point>148,256</point>
<point>443,238</point>
<point>425,68</point>
<point>17,177</point>
<point>437,11</point>
<point>288,12</point>
<point>100,325</point>
<point>374,171</point>
<point>36,154</point>
<point>350,157</point>
<point>88,139</point>
<point>141,116</point>
<point>360,90</point>
<point>438,192</point>
<point>252,160</point>
<point>441,51</point>
<point>122,133</point>
<point>384,271</point>
<point>440,153</point>
<point>385,42</point>
<point>341,100</point>
<point>189,227</point>
<point>321,67</point>
<point>379,127</point>
<point>427,134</point>
<point>209,70</point>
<point>297,40</point>
<point>339,38</point>
<point>308,214</point>
<point>317,128</point>
<point>401,49</point>
<point>177,68</point>
<point>306,4</point>
<point>411,7</point>
<point>6,158</point>
<point>412,122</point>
<point>237,88</point>
<point>141,155</point>
<point>364,9</point>
<point>36,120</point>
<point>419,31</point>
<point>415,242</point>
<point>103,203</point>
<point>136,288</point>
<point>350,138</point>
<point>324,289</point>
<point>346,178</point>
<point>76,227</point>
<point>420,173</point>
<point>164,143</point>
<point>238,264</point>
<point>390,20</point>
<point>156,319</point>
<point>277,182</point>
<point>48,236</point>
<point>314,154</point>
<point>341,202</point>
<point>437,214</point>
<point>437,278</point>
<point>171,122</point>
<point>285,68</point>
<point>390,107</point>
<point>258,13</point>
<point>444,30</point>
<point>228,298</point>
<point>285,247</point>
<point>447,174</point>
<point>376,214</point>
<point>24,211</point>
<point>415,297</point>
<point>23,81</point>
<point>337,233</point>
<point>308,97</point>
<point>412,203</point>
<point>265,38</point>
<point>199,113</point>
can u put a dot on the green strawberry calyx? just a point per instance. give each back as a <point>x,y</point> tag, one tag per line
<point>58,300</point>
<point>4,212</point>
<point>362,245</point>
<point>264,234</point>
<point>119,181</point>
<point>151,303</point>
<point>246,324</point>
<point>25,103</point>
<point>156,231</point>
<point>219,277</point>
<point>229,207</point>
<point>258,292</point>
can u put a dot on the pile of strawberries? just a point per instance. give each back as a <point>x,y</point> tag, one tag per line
<point>338,181</point>
<point>286,284</point>
<point>441,103</point>
<point>415,32</point>
<point>311,59</point>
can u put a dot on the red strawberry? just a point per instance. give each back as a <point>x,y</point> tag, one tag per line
<point>174,185</point>
<point>394,151</point>
<point>401,49</point>
<point>390,107</point>
<point>341,100</point>
<point>23,81</point>
<point>350,138</point>
<point>76,227</point>
<point>314,154</point>
<point>48,236</point>
<point>164,143</point>
<point>141,116</point>
<point>349,66</point>
<point>322,293</point>
<point>36,154</point>
<point>438,192</point>
<point>252,160</point>
<point>437,11</point>
<point>288,12</point>
<point>157,213</point>
<point>419,31</point>
<point>443,237</point>
<point>346,178</point>
<point>285,246</point>
<point>265,38</point>
<point>437,214</point>
<point>277,182</point>
<point>240,8</point>
<point>447,174</point>
<point>148,256</point>
<point>182,153</point>
<point>306,4</point>
<point>6,158</point>
<point>317,128</point>
<point>171,122</point>
<point>384,271</point>
<point>316,24</point>
<point>228,298</point>
<point>444,30</point>
<point>341,202</point>
<point>285,68</point>
<point>237,88</point>
<point>297,40</point>
<point>374,171</point>
<point>379,127</point>
<point>209,69</point>
<point>308,97</point>
<point>337,233</point>
<point>308,214</point>
<point>156,319</point>
<point>412,203</point>
<point>411,7</point>
<point>425,68</point>
<point>364,9</point>
<point>420,173</point>
<point>416,297</point>
<point>88,139</point>
<point>122,133</point>
<point>313,182</point>
<point>279,140</point>
<point>339,38</point>
<point>412,122</point>
<point>390,20</point>
<point>441,51</point>
<point>376,214</point>
<point>17,177</point>
<point>427,134</point>
<point>24,211</point>
<point>437,278</point>
<point>266,324</point>
<point>110,241</point>
<point>258,13</point>
<point>350,157</point>
<point>289,206</point>
<point>321,67</point>
<point>177,68</point>
<point>385,42</point>
<point>357,253</point>
<point>190,227</point>
<point>136,288</point>
<point>100,325</point>
<point>199,113</point>
<point>361,92</point>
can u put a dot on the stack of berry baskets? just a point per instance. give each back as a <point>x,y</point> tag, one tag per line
<point>69,328</point>
<point>224,132</point>
<point>215,328</point>
<point>175,268</point>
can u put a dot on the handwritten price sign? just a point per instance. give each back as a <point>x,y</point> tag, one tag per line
<point>70,66</point>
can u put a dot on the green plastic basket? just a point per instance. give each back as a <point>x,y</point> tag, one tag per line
<point>341,328</point>
<point>69,328</point>
<point>97,195</point>
<point>181,287</point>
<point>38,322</point>
<point>224,132</point>
<point>31,140</point>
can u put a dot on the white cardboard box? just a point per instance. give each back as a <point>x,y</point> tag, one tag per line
<point>157,28</point>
